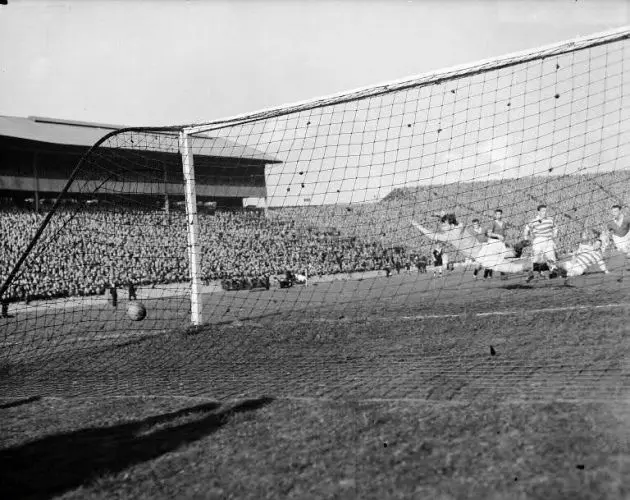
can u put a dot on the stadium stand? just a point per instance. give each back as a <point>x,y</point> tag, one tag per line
<point>241,245</point>
<point>236,244</point>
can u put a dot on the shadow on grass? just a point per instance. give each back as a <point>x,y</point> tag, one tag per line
<point>517,286</point>
<point>55,464</point>
<point>19,402</point>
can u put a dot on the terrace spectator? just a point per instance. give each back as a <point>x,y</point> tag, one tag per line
<point>132,291</point>
<point>84,250</point>
<point>114,293</point>
<point>139,246</point>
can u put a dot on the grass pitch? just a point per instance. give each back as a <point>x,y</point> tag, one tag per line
<point>382,389</point>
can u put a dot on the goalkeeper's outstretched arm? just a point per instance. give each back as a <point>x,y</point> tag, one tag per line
<point>491,259</point>
<point>434,235</point>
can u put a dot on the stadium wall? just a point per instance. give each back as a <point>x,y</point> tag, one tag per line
<point>30,166</point>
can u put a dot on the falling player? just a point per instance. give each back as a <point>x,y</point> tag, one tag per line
<point>492,254</point>
<point>588,253</point>
<point>543,231</point>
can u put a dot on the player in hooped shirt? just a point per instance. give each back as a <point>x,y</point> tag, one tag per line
<point>493,254</point>
<point>542,231</point>
<point>589,253</point>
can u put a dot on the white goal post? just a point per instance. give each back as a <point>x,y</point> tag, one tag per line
<point>192,227</point>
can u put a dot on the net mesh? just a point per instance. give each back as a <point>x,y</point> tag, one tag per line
<point>334,187</point>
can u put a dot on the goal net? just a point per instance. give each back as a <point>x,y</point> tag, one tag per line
<point>336,209</point>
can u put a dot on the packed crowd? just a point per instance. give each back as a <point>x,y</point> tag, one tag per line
<point>85,251</point>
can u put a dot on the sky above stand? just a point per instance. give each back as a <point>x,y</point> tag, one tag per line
<point>163,62</point>
<point>178,62</point>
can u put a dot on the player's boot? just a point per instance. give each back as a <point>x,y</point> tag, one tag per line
<point>554,272</point>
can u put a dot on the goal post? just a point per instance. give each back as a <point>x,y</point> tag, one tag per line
<point>192,221</point>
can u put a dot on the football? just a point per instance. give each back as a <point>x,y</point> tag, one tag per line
<point>136,311</point>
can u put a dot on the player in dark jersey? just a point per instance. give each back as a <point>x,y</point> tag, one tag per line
<point>619,229</point>
<point>480,234</point>
<point>497,230</point>
<point>438,260</point>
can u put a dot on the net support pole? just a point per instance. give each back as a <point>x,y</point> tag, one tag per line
<point>192,226</point>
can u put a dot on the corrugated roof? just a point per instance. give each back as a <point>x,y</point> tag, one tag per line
<point>84,134</point>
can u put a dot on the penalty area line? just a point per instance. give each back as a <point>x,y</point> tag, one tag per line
<point>514,312</point>
<point>447,402</point>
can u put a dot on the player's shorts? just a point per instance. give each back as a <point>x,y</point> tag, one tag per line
<point>622,242</point>
<point>574,268</point>
<point>492,253</point>
<point>543,251</point>
<point>444,262</point>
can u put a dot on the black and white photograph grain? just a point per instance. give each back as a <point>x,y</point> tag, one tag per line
<point>315,249</point>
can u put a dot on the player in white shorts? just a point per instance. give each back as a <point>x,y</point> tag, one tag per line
<point>491,255</point>
<point>542,231</point>
<point>619,229</point>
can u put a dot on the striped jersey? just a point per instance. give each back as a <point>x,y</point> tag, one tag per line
<point>588,255</point>
<point>541,229</point>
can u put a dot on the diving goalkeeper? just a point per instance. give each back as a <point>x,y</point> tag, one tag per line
<point>492,254</point>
